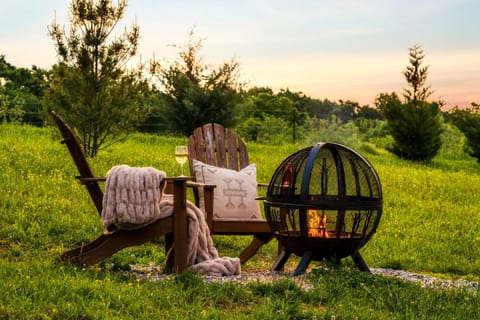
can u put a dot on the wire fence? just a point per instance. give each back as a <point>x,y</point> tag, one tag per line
<point>347,133</point>
<point>158,124</point>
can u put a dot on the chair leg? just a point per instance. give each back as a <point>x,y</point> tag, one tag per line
<point>75,255</point>
<point>259,240</point>
<point>168,264</point>
<point>102,248</point>
<point>106,245</point>
<point>281,260</point>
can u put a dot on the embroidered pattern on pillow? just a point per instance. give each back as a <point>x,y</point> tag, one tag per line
<point>235,191</point>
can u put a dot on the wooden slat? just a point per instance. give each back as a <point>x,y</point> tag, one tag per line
<point>80,160</point>
<point>209,143</point>
<point>220,151</point>
<point>200,144</point>
<point>242,154</point>
<point>192,154</point>
<point>231,142</point>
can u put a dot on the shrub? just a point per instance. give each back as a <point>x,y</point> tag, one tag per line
<point>468,121</point>
<point>415,126</point>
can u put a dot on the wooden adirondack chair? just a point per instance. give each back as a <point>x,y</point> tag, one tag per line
<point>174,227</point>
<point>218,146</point>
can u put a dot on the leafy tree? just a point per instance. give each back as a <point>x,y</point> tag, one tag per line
<point>368,113</point>
<point>264,107</point>
<point>21,92</point>
<point>91,85</point>
<point>468,121</point>
<point>416,125</point>
<point>196,94</point>
<point>257,90</point>
<point>271,104</point>
<point>333,130</point>
<point>301,103</point>
<point>268,130</point>
<point>156,121</point>
<point>345,110</point>
<point>11,106</point>
<point>321,109</point>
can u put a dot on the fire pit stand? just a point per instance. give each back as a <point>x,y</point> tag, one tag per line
<point>323,202</point>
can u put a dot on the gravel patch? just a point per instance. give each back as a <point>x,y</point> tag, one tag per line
<point>154,273</point>
<point>426,281</point>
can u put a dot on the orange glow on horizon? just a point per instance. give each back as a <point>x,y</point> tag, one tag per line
<point>453,77</point>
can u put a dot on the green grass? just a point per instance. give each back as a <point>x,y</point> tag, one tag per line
<point>430,217</point>
<point>429,225</point>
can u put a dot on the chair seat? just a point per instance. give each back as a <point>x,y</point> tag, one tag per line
<point>240,226</point>
<point>239,219</point>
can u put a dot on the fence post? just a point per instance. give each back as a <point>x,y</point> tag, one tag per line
<point>294,124</point>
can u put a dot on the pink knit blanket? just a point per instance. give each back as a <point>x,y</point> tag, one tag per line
<point>134,197</point>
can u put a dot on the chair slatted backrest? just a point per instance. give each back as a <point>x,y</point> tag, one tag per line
<point>214,145</point>
<point>86,176</point>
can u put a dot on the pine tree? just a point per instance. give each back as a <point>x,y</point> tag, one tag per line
<point>91,86</point>
<point>196,94</point>
<point>416,124</point>
<point>416,76</point>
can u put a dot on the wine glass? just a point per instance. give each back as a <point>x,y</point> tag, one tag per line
<point>181,155</point>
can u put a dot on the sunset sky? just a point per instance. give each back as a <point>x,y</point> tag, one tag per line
<point>327,49</point>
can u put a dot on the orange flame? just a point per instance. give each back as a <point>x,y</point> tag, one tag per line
<point>287,175</point>
<point>317,224</point>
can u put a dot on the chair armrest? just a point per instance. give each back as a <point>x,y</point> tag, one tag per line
<point>194,184</point>
<point>189,183</point>
<point>170,183</point>
<point>261,189</point>
<point>83,180</point>
<point>208,190</point>
<point>207,195</point>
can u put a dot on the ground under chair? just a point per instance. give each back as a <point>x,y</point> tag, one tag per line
<point>173,228</point>
<point>211,149</point>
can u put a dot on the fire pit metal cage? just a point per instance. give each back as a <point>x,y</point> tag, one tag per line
<point>323,202</point>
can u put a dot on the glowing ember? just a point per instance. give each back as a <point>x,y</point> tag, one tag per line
<point>317,224</point>
<point>287,175</point>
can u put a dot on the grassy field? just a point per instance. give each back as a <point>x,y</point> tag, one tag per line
<point>429,225</point>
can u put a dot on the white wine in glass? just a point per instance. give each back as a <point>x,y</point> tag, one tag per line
<point>181,155</point>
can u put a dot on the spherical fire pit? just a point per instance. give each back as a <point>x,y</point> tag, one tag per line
<point>323,202</point>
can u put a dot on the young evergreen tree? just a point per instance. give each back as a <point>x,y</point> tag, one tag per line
<point>91,86</point>
<point>416,124</point>
<point>416,76</point>
<point>195,94</point>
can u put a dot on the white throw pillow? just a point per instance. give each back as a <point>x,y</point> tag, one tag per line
<point>235,191</point>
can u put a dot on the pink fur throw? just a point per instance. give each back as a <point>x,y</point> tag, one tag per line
<point>132,195</point>
<point>133,198</point>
